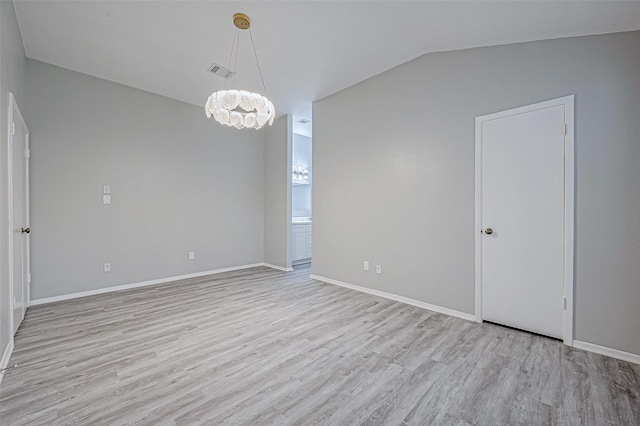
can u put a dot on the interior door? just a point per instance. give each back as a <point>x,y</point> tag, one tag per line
<point>19,196</point>
<point>522,243</point>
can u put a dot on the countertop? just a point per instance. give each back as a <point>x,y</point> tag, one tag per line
<point>301,221</point>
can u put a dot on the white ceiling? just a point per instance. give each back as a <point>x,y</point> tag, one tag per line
<point>307,49</point>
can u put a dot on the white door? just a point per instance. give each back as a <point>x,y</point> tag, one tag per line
<point>19,213</point>
<point>522,229</point>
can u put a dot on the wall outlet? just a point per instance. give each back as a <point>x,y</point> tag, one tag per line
<point>192,255</point>
<point>366,265</point>
<point>378,269</point>
<point>107,267</point>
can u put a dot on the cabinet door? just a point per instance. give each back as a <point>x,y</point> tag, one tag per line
<point>299,246</point>
<point>308,233</point>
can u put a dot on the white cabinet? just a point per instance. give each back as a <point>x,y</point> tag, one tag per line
<point>301,238</point>
<point>308,240</point>
<point>299,245</point>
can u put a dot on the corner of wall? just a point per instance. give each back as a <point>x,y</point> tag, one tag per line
<point>277,192</point>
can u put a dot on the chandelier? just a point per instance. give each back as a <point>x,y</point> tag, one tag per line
<point>240,108</point>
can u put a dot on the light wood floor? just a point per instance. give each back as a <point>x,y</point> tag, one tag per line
<point>266,347</point>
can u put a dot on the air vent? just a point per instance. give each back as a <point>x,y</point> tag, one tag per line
<point>220,71</point>
<point>304,121</point>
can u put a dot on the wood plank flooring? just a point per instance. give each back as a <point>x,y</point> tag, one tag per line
<point>263,347</point>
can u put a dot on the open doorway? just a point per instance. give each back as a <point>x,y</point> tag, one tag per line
<point>302,183</point>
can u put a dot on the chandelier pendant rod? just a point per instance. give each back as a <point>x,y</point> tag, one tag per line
<point>235,63</point>
<point>255,52</point>
<point>233,43</point>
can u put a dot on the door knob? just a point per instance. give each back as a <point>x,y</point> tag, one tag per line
<point>488,231</point>
<point>25,230</point>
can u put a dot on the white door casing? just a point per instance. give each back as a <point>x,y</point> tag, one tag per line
<point>524,193</point>
<point>18,214</point>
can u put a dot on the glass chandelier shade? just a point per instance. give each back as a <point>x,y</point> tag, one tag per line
<point>240,109</point>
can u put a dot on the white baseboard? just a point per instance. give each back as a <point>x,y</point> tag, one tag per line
<point>603,350</point>
<point>140,284</point>
<point>391,296</point>
<point>279,268</point>
<point>5,358</point>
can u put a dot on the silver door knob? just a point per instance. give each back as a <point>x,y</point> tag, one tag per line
<point>25,230</point>
<point>488,231</point>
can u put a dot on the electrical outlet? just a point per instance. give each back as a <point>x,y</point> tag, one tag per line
<point>192,255</point>
<point>107,267</point>
<point>366,265</point>
<point>378,269</point>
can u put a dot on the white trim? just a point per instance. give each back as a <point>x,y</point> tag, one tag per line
<point>279,268</point>
<point>27,278</point>
<point>391,296</point>
<point>289,232</point>
<point>5,358</point>
<point>603,350</point>
<point>478,222</point>
<point>569,216</point>
<point>140,284</point>
<point>306,260</point>
<point>569,200</point>
<point>10,210</point>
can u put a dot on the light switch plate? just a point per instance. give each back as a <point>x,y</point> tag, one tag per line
<point>106,189</point>
<point>192,255</point>
<point>106,199</point>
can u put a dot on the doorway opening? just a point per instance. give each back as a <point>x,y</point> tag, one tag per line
<point>301,182</point>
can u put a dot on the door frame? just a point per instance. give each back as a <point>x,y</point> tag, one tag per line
<point>15,116</point>
<point>569,177</point>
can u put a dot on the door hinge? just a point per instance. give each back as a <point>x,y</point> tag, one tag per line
<point>564,303</point>
<point>27,153</point>
<point>28,278</point>
<point>13,128</point>
<point>566,129</point>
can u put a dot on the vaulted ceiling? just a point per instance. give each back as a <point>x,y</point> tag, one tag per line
<point>307,49</point>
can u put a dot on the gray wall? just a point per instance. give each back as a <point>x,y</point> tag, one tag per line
<point>393,163</point>
<point>179,181</point>
<point>277,192</point>
<point>12,68</point>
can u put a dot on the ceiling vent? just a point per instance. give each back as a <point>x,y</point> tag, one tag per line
<point>221,71</point>
<point>304,121</point>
